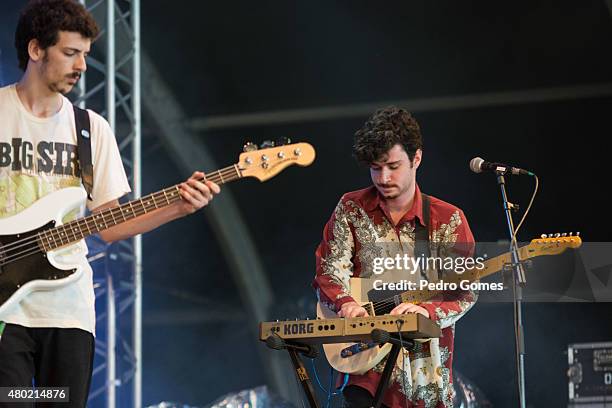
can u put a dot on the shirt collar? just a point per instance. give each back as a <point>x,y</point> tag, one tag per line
<point>374,201</point>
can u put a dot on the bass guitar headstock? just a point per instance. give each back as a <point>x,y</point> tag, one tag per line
<point>267,162</point>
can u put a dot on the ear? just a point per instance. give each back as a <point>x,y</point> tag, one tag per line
<point>34,51</point>
<point>416,161</point>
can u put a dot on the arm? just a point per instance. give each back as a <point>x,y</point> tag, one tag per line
<point>335,266</point>
<point>195,195</point>
<point>450,306</point>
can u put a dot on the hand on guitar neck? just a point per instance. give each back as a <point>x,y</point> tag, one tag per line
<point>196,192</point>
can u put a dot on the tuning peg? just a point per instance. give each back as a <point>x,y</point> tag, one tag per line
<point>578,234</point>
<point>564,235</point>
<point>282,141</point>
<point>543,236</point>
<point>266,144</point>
<point>571,234</point>
<point>557,235</point>
<point>249,147</point>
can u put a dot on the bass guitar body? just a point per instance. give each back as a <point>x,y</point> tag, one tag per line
<point>24,264</point>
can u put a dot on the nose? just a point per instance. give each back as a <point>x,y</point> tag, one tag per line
<point>80,64</point>
<point>385,175</point>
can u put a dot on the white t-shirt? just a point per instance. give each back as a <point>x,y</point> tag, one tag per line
<point>39,156</point>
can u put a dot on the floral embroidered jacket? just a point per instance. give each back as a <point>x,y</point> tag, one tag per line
<point>359,230</point>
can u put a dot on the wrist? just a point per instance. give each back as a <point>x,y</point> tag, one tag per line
<point>343,301</point>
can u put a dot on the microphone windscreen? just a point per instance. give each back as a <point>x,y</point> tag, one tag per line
<point>475,164</point>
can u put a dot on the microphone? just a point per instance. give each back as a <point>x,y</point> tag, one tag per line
<point>477,165</point>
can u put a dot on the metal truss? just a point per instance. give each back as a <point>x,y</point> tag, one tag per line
<point>114,67</point>
<point>118,267</point>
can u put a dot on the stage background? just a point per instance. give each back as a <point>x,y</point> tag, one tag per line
<point>246,57</point>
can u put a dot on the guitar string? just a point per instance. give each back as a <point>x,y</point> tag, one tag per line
<point>381,305</point>
<point>29,250</point>
<point>107,216</point>
<point>231,173</point>
<point>55,231</point>
<point>217,179</point>
<point>32,250</point>
<point>385,303</point>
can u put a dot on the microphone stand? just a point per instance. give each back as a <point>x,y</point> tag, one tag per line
<point>518,276</point>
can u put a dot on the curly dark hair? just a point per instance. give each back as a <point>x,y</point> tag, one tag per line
<point>44,19</point>
<point>383,130</point>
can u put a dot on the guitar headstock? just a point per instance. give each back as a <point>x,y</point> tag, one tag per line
<point>553,244</point>
<point>263,164</point>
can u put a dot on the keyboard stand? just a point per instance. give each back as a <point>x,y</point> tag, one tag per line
<point>397,345</point>
<point>302,375</point>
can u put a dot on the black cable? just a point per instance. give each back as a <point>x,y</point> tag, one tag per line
<point>399,332</point>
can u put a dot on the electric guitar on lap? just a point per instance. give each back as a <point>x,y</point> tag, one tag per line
<point>357,358</point>
<point>31,242</point>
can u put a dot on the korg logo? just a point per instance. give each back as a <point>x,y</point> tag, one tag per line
<point>298,328</point>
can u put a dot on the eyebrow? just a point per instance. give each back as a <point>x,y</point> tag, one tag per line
<point>387,163</point>
<point>76,50</point>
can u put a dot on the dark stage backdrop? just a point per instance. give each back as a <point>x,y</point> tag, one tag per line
<point>240,57</point>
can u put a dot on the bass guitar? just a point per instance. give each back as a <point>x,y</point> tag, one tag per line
<point>32,241</point>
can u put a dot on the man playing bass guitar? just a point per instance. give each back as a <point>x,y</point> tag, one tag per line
<point>48,336</point>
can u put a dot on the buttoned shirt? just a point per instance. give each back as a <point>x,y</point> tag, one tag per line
<point>359,231</point>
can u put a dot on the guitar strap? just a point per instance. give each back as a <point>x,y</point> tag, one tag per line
<point>83,127</point>
<point>83,130</point>
<point>421,233</point>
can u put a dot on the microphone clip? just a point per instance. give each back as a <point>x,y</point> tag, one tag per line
<point>513,207</point>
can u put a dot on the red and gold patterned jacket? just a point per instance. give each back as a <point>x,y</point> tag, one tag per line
<point>356,233</point>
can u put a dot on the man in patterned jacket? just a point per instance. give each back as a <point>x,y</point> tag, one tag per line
<point>385,215</point>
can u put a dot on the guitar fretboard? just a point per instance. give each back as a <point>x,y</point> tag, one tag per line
<point>491,266</point>
<point>76,230</point>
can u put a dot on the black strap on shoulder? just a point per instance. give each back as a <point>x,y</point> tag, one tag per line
<point>421,233</point>
<point>83,131</point>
